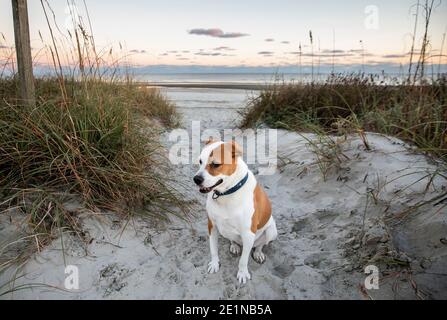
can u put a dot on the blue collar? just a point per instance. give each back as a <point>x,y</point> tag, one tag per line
<point>239,185</point>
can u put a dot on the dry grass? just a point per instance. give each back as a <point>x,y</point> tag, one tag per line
<point>151,103</point>
<point>93,136</point>
<point>355,103</point>
<point>95,144</point>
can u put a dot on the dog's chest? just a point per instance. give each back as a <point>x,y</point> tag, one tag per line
<point>229,228</point>
<point>231,220</point>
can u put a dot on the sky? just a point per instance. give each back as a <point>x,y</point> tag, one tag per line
<point>242,33</point>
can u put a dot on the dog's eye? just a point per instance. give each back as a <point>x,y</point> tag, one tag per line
<point>200,161</point>
<point>215,165</point>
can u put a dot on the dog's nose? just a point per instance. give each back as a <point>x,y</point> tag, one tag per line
<point>198,180</point>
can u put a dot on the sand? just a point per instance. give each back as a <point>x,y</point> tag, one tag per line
<point>206,85</point>
<point>329,231</point>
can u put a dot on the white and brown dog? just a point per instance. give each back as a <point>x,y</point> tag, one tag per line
<point>238,208</point>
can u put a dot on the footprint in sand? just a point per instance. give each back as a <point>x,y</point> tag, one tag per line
<point>316,260</point>
<point>302,225</point>
<point>112,278</point>
<point>326,217</point>
<point>283,270</point>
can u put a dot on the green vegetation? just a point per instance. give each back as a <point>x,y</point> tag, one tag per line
<point>100,143</point>
<point>355,104</point>
<point>93,137</point>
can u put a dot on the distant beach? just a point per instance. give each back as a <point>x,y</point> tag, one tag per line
<point>244,81</point>
<point>208,98</point>
<point>236,81</point>
<point>206,85</point>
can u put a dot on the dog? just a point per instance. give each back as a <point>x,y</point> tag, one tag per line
<point>237,206</point>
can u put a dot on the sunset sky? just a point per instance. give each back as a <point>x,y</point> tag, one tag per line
<point>243,33</point>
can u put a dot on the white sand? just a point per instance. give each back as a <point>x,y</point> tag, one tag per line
<point>328,233</point>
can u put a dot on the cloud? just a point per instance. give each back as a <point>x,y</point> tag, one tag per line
<point>333,51</point>
<point>223,49</point>
<point>137,51</point>
<point>323,54</point>
<point>163,54</point>
<point>417,52</point>
<point>285,42</point>
<point>266,53</point>
<point>437,56</point>
<point>217,33</point>
<point>185,51</point>
<point>202,53</point>
<point>269,40</point>
<point>328,55</point>
<point>393,56</point>
<point>361,52</point>
<point>213,54</point>
<point>374,62</point>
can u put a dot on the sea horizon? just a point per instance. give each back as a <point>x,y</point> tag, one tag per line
<point>259,81</point>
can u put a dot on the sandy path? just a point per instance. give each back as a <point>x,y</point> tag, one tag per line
<point>328,232</point>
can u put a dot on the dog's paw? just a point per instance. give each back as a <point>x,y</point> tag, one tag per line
<point>259,256</point>
<point>243,276</point>
<point>235,249</point>
<point>213,266</point>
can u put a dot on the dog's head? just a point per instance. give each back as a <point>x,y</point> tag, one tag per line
<point>217,162</point>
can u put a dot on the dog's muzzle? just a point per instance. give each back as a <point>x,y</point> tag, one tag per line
<point>198,180</point>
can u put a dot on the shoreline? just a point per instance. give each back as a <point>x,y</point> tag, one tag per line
<point>233,86</point>
<point>202,85</point>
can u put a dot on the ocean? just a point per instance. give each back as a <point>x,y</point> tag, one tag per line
<point>254,78</point>
<point>227,78</point>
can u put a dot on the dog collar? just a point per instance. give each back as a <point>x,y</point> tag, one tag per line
<point>239,185</point>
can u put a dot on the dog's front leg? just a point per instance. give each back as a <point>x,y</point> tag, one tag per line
<point>213,266</point>
<point>248,238</point>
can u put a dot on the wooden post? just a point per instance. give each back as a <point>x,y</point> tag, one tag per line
<point>23,51</point>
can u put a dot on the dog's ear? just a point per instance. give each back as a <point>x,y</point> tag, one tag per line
<point>210,140</point>
<point>236,150</point>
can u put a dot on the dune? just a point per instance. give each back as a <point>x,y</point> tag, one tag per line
<point>330,230</point>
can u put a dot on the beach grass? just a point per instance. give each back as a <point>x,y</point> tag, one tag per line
<point>353,103</point>
<point>92,138</point>
<point>99,143</point>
